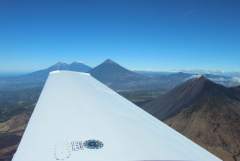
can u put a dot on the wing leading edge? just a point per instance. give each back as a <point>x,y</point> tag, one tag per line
<point>78,118</point>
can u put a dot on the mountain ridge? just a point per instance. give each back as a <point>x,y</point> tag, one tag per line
<point>185,93</point>
<point>206,112</point>
<point>38,78</point>
<point>74,66</point>
<point>118,73</point>
<point>115,76</point>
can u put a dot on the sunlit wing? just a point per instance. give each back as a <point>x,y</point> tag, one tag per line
<point>77,118</point>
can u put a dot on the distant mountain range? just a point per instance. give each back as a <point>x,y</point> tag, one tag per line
<point>42,74</point>
<point>74,66</point>
<point>108,72</point>
<point>38,78</point>
<point>197,105</point>
<point>204,111</point>
<point>226,79</point>
<point>115,76</point>
<point>122,79</point>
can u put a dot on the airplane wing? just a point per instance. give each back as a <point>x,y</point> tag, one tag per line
<point>77,118</point>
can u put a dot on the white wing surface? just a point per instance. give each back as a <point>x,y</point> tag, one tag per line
<point>77,118</point>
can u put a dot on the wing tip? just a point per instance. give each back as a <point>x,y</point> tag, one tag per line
<point>67,71</point>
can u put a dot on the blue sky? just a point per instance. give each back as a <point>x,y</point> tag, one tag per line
<point>139,34</point>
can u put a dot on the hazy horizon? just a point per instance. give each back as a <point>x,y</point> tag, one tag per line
<point>197,71</point>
